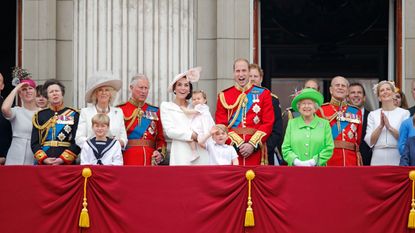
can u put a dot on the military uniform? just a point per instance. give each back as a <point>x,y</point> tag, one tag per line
<point>144,132</point>
<point>346,126</point>
<point>249,115</point>
<point>53,134</point>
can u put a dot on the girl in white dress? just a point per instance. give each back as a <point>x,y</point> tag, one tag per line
<point>383,124</point>
<point>201,121</point>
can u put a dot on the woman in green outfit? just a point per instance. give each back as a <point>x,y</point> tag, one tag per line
<point>308,140</point>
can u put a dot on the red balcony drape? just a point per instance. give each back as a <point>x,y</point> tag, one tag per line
<point>205,199</point>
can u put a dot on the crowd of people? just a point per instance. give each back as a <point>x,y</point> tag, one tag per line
<point>247,127</point>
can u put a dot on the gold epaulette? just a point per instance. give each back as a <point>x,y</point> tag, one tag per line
<point>73,109</point>
<point>273,95</point>
<point>327,103</point>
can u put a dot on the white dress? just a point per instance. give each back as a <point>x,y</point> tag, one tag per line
<point>117,126</point>
<point>202,122</point>
<point>385,150</point>
<point>176,126</point>
<point>20,152</point>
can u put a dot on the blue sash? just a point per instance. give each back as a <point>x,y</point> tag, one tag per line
<point>255,91</point>
<point>139,130</point>
<point>343,124</point>
<point>58,129</point>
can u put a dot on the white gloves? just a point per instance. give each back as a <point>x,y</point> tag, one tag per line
<point>306,163</point>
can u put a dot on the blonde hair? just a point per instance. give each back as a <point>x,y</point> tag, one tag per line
<point>222,127</point>
<point>112,97</point>
<point>100,118</point>
<point>376,87</point>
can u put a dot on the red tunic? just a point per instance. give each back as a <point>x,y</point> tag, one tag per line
<point>346,123</point>
<point>144,132</point>
<point>249,116</point>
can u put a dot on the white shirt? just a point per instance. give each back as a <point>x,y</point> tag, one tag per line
<point>220,154</point>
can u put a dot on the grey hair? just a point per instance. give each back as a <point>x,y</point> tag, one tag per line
<point>137,77</point>
<point>345,79</point>
<point>315,104</point>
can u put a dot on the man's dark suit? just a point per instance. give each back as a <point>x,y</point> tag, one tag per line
<point>275,138</point>
<point>6,133</point>
<point>412,110</point>
<point>365,150</point>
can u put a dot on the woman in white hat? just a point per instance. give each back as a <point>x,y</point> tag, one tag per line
<point>176,123</point>
<point>101,91</point>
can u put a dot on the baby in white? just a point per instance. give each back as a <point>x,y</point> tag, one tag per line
<point>201,121</point>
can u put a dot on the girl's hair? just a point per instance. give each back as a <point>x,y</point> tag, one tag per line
<point>100,118</point>
<point>222,127</point>
<point>200,92</point>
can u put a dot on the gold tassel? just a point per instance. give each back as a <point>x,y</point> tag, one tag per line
<point>84,218</point>
<point>411,219</point>
<point>249,214</point>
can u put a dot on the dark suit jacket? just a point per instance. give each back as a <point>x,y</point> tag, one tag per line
<point>408,156</point>
<point>412,110</point>
<point>365,150</point>
<point>275,139</point>
<point>5,132</point>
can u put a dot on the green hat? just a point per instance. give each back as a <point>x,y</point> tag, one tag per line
<point>307,93</point>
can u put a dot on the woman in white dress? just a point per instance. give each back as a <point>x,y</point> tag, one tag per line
<point>383,124</point>
<point>101,91</point>
<point>20,152</point>
<point>177,125</point>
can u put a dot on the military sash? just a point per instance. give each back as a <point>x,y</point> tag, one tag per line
<point>343,122</point>
<point>66,118</point>
<point>139,130</point>
<point>252,97</point>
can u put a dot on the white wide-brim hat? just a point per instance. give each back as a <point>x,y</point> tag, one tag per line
<point>192,75</point>
<point>101,79</point>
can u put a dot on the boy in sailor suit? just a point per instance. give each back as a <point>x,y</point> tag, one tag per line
<point>101,150</point>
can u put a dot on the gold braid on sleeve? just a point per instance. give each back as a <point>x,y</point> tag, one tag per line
<point>236,139</point>
<point>256,139</point>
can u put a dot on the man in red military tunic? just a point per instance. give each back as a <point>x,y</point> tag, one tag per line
<point>346,125</point>
<point>146,143</point>
<point>247,111</point>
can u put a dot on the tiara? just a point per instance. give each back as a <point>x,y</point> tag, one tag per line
<point>375,87</point>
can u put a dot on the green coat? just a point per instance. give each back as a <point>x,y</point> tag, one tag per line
<point>313,141</point>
